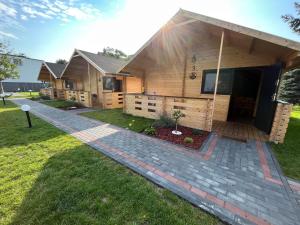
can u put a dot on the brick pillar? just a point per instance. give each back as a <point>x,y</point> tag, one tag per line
<point>280,122</point>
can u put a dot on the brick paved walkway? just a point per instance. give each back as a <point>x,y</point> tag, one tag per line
<point>239,182</point>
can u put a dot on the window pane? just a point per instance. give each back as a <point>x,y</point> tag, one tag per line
<point>224,83</point>
<point>107,83</point>
<point>117,85</point>
<point>69,84</point>
<point>209,84</point>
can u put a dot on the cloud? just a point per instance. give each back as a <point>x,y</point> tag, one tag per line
<point>9,11</point>
<point>8,35</point>
<point>34,13</point>
<point>24,17</point>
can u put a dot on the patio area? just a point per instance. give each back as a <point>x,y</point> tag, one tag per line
<point>239,131</point>
<point>239,182</point>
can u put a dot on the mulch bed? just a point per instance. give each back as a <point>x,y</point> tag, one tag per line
<point>166,134</point>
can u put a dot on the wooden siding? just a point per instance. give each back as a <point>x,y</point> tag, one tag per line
<point>197,112</point>
<point>113,100</point>
<point>79,96</point>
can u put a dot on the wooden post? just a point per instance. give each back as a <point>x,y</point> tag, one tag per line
<point>124,93</point>
<point>217,78</point>
<point>90,86</point>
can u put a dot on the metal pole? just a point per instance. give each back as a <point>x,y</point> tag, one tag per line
<point>28,119</point>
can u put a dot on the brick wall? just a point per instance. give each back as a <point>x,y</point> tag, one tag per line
<point>280,122</point>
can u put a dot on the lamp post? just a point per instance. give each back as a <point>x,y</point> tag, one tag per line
<point>26,108</point>
<point>3,96</point>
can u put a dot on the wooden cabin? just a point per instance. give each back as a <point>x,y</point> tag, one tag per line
<point>50,73</point>
<point>180,65</point>
<point>91,79</point>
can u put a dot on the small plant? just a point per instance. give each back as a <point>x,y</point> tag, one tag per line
<point>177,114</point>
<point>165,122</point>
<point>188,140</point>
<point>150,131</point>
<point>45,97</point>
<point>197,132</point>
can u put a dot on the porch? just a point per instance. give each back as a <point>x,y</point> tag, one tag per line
<point>198,114</point>
<point>238,131</point>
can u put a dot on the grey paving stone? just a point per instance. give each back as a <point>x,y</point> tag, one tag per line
<point>233,173</point>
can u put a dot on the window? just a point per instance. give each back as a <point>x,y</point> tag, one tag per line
<point>112,84</point>
<point>224,83</point>
<point>69,84</point>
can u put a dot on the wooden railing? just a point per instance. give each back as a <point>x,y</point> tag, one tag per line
<point>197,111</point>
<point>112,100</point>
<point>46,91</point>
<point>82,97</point>
<point>59,93</point>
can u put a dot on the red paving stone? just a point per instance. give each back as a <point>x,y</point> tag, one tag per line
<point>176,181</point>
<point>211,148</point>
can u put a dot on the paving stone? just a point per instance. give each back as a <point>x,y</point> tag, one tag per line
<point>232,175</point>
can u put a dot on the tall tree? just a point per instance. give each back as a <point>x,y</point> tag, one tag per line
<point>61,61</point>
<point>289,89</point>
<point>116,53</point>
<point>8,65</point>
<point>293,22</point>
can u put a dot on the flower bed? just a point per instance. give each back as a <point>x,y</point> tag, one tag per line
<point>166,134</point>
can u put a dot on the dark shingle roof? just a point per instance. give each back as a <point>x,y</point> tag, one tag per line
<point>106,63</point>
<point>56,68</point>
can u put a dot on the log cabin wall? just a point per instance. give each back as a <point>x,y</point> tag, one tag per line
<point>174,79</point>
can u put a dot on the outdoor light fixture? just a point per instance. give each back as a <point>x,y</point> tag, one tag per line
<point>26,109</point>
<point>30,91</point>
<point>3,96</point>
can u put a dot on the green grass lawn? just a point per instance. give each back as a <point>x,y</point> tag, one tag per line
<point>118,118</point>
<point>24,95</point>
<point>49,177</point>
<point>62,104</point>
<point>288,153</point>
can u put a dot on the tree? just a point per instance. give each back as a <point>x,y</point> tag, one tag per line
<point>116,53</point>
<point>289,89</point>
<point>293,22</point>
<point>61,61</point>
<point>8,65</point>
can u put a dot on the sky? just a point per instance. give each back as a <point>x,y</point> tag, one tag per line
<point>52,29</point>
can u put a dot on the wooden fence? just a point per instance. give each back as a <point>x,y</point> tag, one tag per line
<point>47,92</point>
<point>82,97</point>
<point>197,111</point>
<point>112,100</point>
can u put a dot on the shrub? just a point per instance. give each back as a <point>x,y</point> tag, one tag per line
<point>197,132</point>
<point>177,114</point>
<point>188,140</point>
<point>35,98</point>
<point>45,97</point>
<point>150,131</point>
<point>164,121</point>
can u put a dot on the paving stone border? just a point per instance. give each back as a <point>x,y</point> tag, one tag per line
<point>227,189</point>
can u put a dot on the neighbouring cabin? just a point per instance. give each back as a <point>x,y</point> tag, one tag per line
<point>50,73</point>
<point>180,65</point>
<point>91,79</point>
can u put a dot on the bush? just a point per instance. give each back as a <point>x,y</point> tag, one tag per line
<point>45,97</point>
<point>150,131</point>
<point>164,121</point>
<point>197,132</point>
<point>188,140</point>
<point>35,98</point>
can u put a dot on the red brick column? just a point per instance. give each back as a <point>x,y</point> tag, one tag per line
<point>280,122</point>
